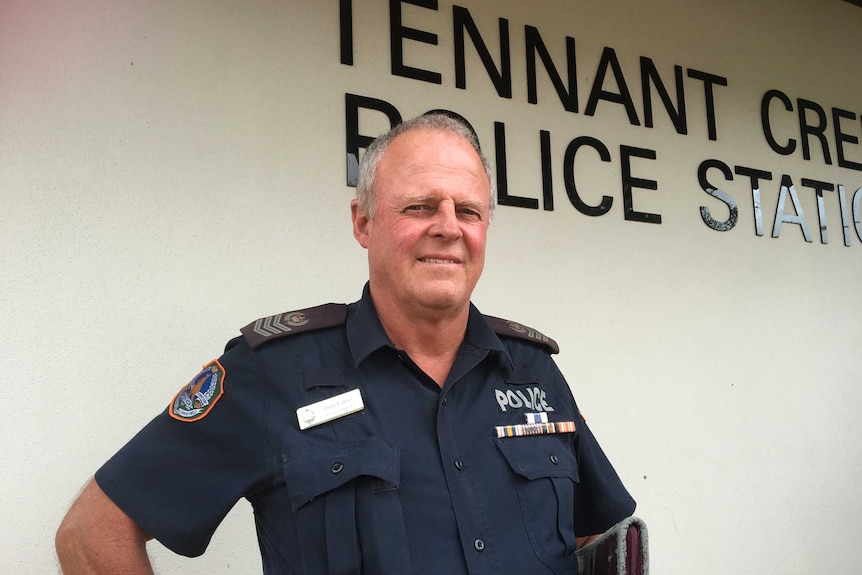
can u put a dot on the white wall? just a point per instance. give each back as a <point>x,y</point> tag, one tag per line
<point>172,171</point>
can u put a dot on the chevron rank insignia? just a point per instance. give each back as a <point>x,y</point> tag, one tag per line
<point>198,397</point>
<point>514,329</point>
<point>281,324</point>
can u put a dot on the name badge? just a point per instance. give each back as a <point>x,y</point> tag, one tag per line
<point>329,409</point>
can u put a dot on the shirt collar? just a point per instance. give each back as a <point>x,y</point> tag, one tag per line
<point>365,333</point>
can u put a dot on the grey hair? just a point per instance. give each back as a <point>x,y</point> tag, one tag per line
<point>436,121</point>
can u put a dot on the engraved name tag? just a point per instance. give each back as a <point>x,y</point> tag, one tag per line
<point>329,409</point>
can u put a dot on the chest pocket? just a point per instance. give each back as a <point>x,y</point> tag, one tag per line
<point>348,509</point>
<point>546,472</point>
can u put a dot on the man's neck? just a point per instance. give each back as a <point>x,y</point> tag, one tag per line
<point>431,338</point>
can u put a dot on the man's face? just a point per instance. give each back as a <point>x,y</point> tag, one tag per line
<point>426,243</point>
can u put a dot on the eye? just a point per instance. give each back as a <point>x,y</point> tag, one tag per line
<point>417,208</point>
<point>470,213</point>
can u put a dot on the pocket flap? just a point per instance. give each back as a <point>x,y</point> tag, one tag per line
<point>537,456</point>
<point>312,471</point>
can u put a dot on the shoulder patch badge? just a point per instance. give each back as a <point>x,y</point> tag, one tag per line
<point>198,397</point>
<point>514,329</point>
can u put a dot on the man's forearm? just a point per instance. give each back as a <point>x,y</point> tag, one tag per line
<point>96,537</point>
<point>107,558</point>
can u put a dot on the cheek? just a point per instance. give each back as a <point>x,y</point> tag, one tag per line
<point>395,242</point>
<point>404,237</point>
<point>475,240</point>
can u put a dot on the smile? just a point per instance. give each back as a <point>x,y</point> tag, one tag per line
<point>436,261</point>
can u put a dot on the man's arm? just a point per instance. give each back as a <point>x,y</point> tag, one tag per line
<point>97,537</point>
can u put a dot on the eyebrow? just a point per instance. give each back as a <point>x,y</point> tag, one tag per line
<point>474,205</point>
<point>433,198</point>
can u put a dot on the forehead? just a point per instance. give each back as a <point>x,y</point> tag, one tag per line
<point>433,160</point>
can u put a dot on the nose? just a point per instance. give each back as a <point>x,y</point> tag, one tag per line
<point>445,223</point>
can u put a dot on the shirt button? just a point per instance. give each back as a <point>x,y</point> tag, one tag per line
<point>336,467</point>
<point>459,465</point>
<point>478,545</point>
<point>444,401</point>
<point>554,459</point>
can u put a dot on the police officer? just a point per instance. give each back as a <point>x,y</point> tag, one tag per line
<point>403,433</point>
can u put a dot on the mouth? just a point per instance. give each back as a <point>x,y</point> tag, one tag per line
<point>437,261</point>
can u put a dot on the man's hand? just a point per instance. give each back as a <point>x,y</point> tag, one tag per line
<point>581,541</point>
<point>97,537</point>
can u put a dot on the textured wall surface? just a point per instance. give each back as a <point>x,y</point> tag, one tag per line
<point>171,171</point>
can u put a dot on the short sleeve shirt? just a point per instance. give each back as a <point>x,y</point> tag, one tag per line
<point>416,481</point>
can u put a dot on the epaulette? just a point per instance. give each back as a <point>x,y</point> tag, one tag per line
<point>514,329</point>
<point>279,325</point>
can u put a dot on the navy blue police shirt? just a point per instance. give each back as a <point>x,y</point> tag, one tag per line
<point>417,481</point>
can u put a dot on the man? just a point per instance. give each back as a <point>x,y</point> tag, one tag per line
<point>404,433</point>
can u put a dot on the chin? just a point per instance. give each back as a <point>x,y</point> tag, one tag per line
<point>442,300</point>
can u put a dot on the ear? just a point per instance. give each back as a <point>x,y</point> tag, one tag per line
<point>361,224</point>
